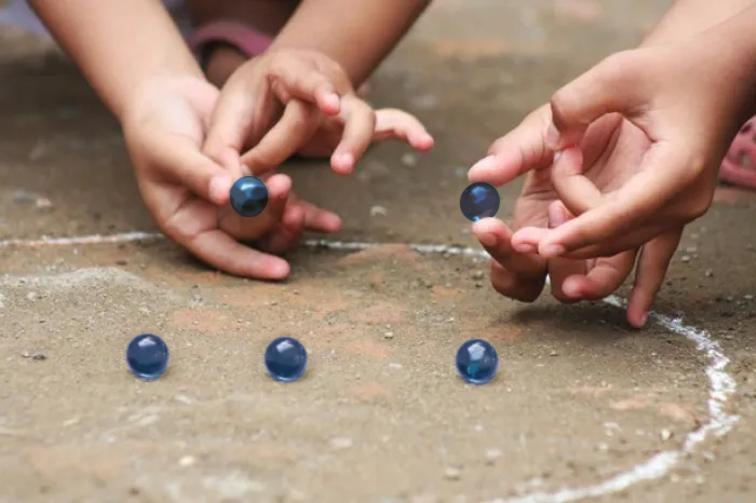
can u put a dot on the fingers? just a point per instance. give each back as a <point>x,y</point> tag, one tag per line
<point>510,285</point>
<point>521,150</point>
<point>222,251</point>
<point>649,276</point>
<point>614,85</point>
<point>253,229</point>
<point>604,277</point>
<point>320,220</point>
<point>287,233</point>
<point>638,201</point>
<point>301,78</point>
<point>515,275</point>
<point>631,240</point>
<point>576,191</point>
<point>181,159</point>
<point>296,126</point>
<point>398,124</point>
<point>243,110</point>
<point>359,125</point>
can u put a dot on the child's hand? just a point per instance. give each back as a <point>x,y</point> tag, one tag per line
<point>609,145</point>
<point>687,99</point>
<point>187,193</point>
<point>287,101</point>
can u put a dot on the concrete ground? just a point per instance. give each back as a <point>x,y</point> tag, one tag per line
<point>581,404</point>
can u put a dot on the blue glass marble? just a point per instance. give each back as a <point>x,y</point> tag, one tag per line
<point>479,200</point>
<point>249,196</point>
<point>477,361</point>
<point>147,357</point>
<point>285,359</point>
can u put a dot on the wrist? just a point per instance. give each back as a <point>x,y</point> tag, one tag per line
<point>687,18</point>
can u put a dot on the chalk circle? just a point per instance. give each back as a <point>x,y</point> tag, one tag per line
<point>721,384</point>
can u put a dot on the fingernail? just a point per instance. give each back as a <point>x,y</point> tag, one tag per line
<point>333,101</point>
<point>485,163</point>
<point>219,187</point>
<point>557,215</point>
<point>644,319</point>
<point>525,247</point>
<point>487,239</point>
<point>552,137</point>
<point>558,155</point>
<point>553,250</point>
<point>279,269</point>
<point>345,160</point>
<point>573,292</point>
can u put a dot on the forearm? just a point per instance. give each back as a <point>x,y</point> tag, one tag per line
<point>690,17</point>
<point>738,38</point>
<point>118,45</point>
<point>357,35</point>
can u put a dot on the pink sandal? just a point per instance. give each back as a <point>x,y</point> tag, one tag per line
<point>739,166</point>
<point>247,40</point>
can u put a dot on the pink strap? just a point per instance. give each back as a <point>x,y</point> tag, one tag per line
<point>248,40</point>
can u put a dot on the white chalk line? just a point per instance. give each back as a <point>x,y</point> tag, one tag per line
<point>721,384</point>
<point>94,239</point>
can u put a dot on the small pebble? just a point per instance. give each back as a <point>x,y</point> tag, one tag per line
<point>24,196</point>
<point>388,335</point>
<point>378,210</point>
<point>665,434</point>
<point>187,461</point>
<point>478,275</point>
<point>36,355</point>
<point>553,353</point>
<point>748,296</point>
<point>492,455</point>
<point>409,159</point>
<point>340,443</point>
<point>685,258</point>
<point>708,273</point>
<point>452,473</point>
<point>183,399</point>
<point>708,456</point>
<point>43,203</point>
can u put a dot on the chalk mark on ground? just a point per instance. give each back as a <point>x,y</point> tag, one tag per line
<point>721,384</point>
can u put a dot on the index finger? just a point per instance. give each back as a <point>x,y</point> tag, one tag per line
<point>664,174</point>
<point>519,151</point>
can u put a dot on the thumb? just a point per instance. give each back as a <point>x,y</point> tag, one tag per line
<point>614,85</point>
<point>181,159</point>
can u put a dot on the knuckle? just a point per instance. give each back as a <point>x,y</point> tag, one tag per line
<point>175,228</point>
<point>560,104</point>
<point>699,206</point>
<point>616,67</point>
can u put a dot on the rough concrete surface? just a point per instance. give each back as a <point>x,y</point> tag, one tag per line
<point>580,397</point>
